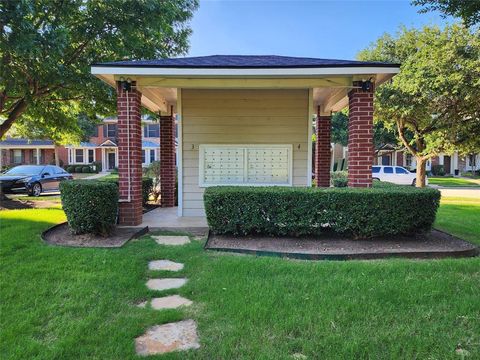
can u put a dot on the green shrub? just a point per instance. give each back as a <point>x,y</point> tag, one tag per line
<point>438,170</point>
<point>78,169</point>
<point>91,206</point>
<point>98,166</point>
<point>147,189</point>
<point>86,169</point>
<point>339,178</point>
<point>147,185</point>
<point>386,209</point>
<point>70,169</point>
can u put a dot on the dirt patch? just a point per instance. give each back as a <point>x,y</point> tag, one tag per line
<point>434,244</point>
<point>61,235</point>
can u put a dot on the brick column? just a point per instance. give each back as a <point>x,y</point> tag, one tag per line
<point>360,136</point>
<point>322,150</point>
<point>129,134</point>
<point>167,161</point>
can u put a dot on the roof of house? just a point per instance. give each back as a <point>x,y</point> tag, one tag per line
<point>245,62</point>
<point>25,142</point>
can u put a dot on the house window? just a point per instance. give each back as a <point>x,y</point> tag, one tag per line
<point>143,156</point>
<point>34,156</point>
<point>91,155</point>
<point>17,156</point>
<point>152,155</point>
<point>472,160</point>
<point>151,130</point>
<point>111,130</point>
<point>408,160</point>
<point>79,156</point>
<point>245,165</point>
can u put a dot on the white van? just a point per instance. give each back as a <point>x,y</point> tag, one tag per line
<point>395,174</point>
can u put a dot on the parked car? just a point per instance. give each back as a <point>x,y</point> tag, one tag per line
<point>395,174</point>
<point>33,179</point>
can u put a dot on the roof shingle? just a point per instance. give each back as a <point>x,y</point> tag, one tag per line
<point>245,62</point>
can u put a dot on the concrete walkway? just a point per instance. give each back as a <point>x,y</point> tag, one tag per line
<point>96,176</point>
<point>461,192</point>
<point>166,219</point>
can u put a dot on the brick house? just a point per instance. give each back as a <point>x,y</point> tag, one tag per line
<point>102,148</point>
<point>242,120</point>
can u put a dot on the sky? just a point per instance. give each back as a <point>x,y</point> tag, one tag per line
<point>324,29</point>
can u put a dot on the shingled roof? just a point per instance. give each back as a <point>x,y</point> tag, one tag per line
<point>245,62</point>
<point>25,142</point>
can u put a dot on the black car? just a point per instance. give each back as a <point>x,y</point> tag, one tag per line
<point>33,179</point>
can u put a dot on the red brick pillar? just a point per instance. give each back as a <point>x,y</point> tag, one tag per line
<point>323,150</point>
<point>129,133</point>
<point>167,161</point>
<point>360,136</point>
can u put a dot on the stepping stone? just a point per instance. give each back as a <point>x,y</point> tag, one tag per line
<point>142,304</point>
<point>161,339</point>
<point>171,240</point>
<point>164,265</point>
<point>170,302</point>
<point>165,284</point>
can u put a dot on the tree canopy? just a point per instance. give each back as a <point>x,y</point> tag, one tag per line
<point>47,47</point>
<point>435,95</point>
<point>467,10</point>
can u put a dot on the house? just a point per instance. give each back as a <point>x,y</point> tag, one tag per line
<point>101,148</point>
<point>242,120</point>
<point>453,164</point>
<point>22,151</point>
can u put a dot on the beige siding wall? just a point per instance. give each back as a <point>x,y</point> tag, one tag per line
<point>241,117</point>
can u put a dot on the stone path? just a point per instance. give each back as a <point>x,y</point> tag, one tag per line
<point>164,265</point>
<point>181,335</point>
<point>171,240</point>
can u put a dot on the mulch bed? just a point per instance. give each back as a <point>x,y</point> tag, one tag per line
<point>60,235</point>
<point>435,244</point>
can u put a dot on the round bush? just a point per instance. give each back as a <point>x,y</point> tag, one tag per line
<point>70,169</point>
<point>91,206</point>
<point>86,169</point>
<point>78,169</point>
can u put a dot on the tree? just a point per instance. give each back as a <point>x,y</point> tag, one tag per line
<point>467,10</point>
<point>381,134</point>
<point>435,95</point>
<point>47,47</point>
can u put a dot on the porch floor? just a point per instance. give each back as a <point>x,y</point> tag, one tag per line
<point>167,219</point>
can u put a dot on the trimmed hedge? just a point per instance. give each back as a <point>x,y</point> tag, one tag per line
<point>91,206</point>
<point>385,209</point>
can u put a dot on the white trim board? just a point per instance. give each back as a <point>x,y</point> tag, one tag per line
<point>229,72</point>
<point>179,153</point>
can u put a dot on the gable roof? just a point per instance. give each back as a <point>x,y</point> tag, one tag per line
<point>244,62</point>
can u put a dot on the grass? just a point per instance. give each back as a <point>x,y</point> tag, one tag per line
<point>43,197</point>
<point>460,216</point>
<point>68,303</point>
<point>453,182</point>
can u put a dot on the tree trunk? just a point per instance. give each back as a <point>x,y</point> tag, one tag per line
<point>17,110</point>
<point>421,170</point>
<point>55,152</point>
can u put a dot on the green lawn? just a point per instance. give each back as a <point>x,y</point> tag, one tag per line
<point>67,303</point>
<point>453,182</point>
<point>460,216</point>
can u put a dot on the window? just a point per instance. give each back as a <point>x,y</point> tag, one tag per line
<point>472,160</point>
<point>79,156</point>
<point>408,160</point>
<point>110,130</point>
<point>375,169</point>
<point>34,156</point>
<point>143,156</point>
<point>57,170</point>
<point>399,170</point>
<point>91,156</point>
<point>151,130</point>
<point>388,170</point>
<point>245,165</point>
<point>17,156</point>
<point>152,155</point>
